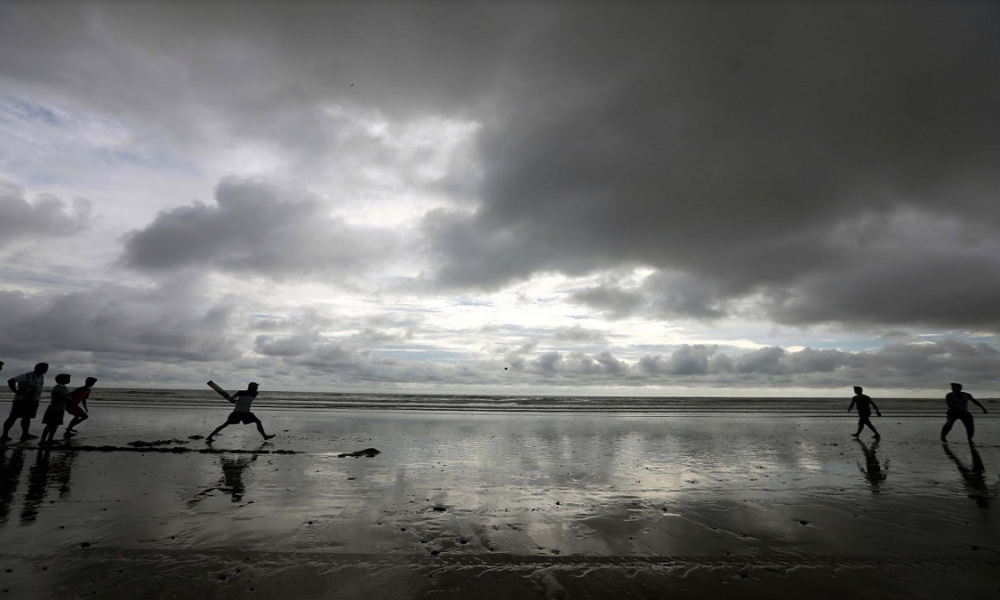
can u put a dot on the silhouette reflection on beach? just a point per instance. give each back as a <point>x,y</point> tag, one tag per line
<point>46,470</point>
<point>233,469</point>
<point>38,478</point>
<point>974,478</point>
<point>873,471</point>
<point>11,466</point>
<point>232,475</point>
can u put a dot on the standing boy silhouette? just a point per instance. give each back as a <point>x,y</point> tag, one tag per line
<point>958,410</point>
<point>27,388</point>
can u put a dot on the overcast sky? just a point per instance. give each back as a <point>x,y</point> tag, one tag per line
<point>550,197</point>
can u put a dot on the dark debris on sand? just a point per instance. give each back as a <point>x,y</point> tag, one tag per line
<point>171,449</point>
<point>142,444</point>
<point>367,452</point>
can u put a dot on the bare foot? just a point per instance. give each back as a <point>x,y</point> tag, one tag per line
<point>267,437</point>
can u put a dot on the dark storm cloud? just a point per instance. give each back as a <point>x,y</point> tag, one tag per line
<point>661,295</point>
<point>615,303</point>
<point>46,215</point>
<point>170,323</point>
<point>925,282</point>
<point>743,145</point>
<point>687,360</point>
<point>256,227</point>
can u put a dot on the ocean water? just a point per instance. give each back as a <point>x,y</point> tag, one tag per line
<point>672,406</point>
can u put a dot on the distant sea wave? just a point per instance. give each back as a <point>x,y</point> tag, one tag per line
<point>676,406</point>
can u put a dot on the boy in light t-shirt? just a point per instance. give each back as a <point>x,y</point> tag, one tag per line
<point>241,413</point>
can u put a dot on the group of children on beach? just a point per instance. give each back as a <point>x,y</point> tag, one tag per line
<point>27,388</point>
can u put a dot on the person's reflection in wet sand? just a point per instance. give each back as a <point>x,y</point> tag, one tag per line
<point>62,470</point>
<point>232,474</point>
<point>873,471</point>
<point>233,468</point>
<point>38,478</point>
<point>11,466</point>
<point>974,478</point>
<point>46,470</point>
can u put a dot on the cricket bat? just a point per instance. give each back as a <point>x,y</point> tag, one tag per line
<point>221,391</point>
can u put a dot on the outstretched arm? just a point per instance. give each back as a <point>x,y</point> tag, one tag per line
<point>976,402</point>
<point>851,406</point>
<point>877,411</point>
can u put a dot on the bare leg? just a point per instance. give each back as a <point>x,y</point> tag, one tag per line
<point>7,425</point>
<point>76,421</point>
<point>217,430</point>
<point>25,423</point>
<point>260,428</point>
<point>949,421</point>
<point>970,425</point>
<point>47,434</point>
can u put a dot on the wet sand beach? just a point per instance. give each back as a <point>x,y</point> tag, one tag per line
<point>500,505</point>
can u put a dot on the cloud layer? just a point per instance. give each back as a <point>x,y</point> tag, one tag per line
<point>47,215</point>
<point>750,151</point>
<point>627,193</point>
<point>257,228</point>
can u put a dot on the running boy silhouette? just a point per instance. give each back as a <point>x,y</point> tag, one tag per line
<point>78,405</point>
<point>241,414</point>
<point>865,406</point>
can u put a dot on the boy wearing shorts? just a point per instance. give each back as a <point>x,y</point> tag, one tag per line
<point>865,406</point>
<point>241,413</point>
<point>53,416</point>
<point>27,389</point>
<point>77,405</point>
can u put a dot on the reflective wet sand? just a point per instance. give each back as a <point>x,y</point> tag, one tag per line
<point>500,505</point>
